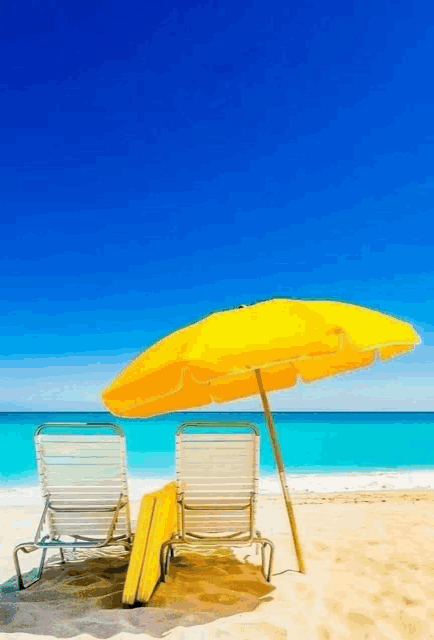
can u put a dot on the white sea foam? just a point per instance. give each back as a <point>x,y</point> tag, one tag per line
<point>31,495</point>
<point>268,485</point>
<point>139,486</point>
<point>351,481</point>
<point>20,496</point>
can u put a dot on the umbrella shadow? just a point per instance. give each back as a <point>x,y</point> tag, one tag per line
<point>86,597</point>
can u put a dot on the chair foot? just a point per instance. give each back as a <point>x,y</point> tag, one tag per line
<point>27,547</point>
<point>127,545</point>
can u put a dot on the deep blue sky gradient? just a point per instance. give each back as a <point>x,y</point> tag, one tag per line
<point>161,161</point>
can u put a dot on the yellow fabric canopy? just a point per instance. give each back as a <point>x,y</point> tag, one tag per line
<point>214,359</point>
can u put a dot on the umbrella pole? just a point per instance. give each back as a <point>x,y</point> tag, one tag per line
<point>281,470</point>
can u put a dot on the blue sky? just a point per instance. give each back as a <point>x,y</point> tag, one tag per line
<point>161,161</point>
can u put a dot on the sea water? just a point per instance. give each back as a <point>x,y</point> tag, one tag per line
<point>322,451</point>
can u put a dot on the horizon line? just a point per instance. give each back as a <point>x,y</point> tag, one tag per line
<point>235,411</point>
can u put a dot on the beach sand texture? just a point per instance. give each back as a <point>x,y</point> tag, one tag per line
<point>370,566</point>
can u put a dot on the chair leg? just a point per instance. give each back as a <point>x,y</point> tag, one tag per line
<point>164,560</point>
<point>258,535</point>
<point>62,556</point>
<point>168,558</point>
<point>27,548</point>
<point>267,543</point>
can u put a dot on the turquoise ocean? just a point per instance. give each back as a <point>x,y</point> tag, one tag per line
<point>322,451</point>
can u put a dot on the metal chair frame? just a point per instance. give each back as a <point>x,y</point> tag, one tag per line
<point>54,542</point>
<point>238,539</point>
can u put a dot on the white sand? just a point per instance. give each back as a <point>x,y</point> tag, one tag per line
<point>370,568</point>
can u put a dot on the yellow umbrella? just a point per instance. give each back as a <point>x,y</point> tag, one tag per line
<point>253,349</point>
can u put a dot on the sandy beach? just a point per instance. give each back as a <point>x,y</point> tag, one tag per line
<point>369,558</point>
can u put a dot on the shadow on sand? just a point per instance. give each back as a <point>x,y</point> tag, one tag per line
<point>86,597</point>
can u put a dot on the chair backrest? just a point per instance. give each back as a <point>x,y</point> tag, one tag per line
<point>217,466</point>
<point>82,467</point>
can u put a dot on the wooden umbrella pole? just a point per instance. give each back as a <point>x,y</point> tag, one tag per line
<point>281,470</point>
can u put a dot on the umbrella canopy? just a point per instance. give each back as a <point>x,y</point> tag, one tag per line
<point>263,347</point>
<point>214,359</point>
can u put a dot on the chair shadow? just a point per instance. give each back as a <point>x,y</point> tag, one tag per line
<point>279,573</point>
<point>86,596</point>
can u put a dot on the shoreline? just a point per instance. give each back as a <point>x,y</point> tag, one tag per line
<point>314,483</point>
<point>217,410</point>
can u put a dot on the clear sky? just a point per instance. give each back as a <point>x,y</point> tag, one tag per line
<point>160,161</point>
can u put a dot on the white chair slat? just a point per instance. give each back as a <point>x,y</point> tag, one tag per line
<point>68,446</point>
<point>70,492</point>
<point>192,493</point>
<point>95,534</point>
<point>74,438</point>
<point>85,516</point>
<point>214,448</point>
<point>218,445</point>
<point>212,531</point>
<point>81,473</point>
<point>226,437</point>
<point>198,471</point>
<point>211,479</point>
<point>214,457</point>
<point>190,489</point>
<point>96,484</point>
<point>217,516</point>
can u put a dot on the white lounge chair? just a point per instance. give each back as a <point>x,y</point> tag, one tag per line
<point>217,486</point>
<point>84,485</point>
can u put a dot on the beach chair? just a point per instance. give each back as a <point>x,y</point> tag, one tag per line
<point>217,487</point>
<point>84,486</point>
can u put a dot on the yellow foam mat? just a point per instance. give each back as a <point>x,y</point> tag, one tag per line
<point>156,523</point>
